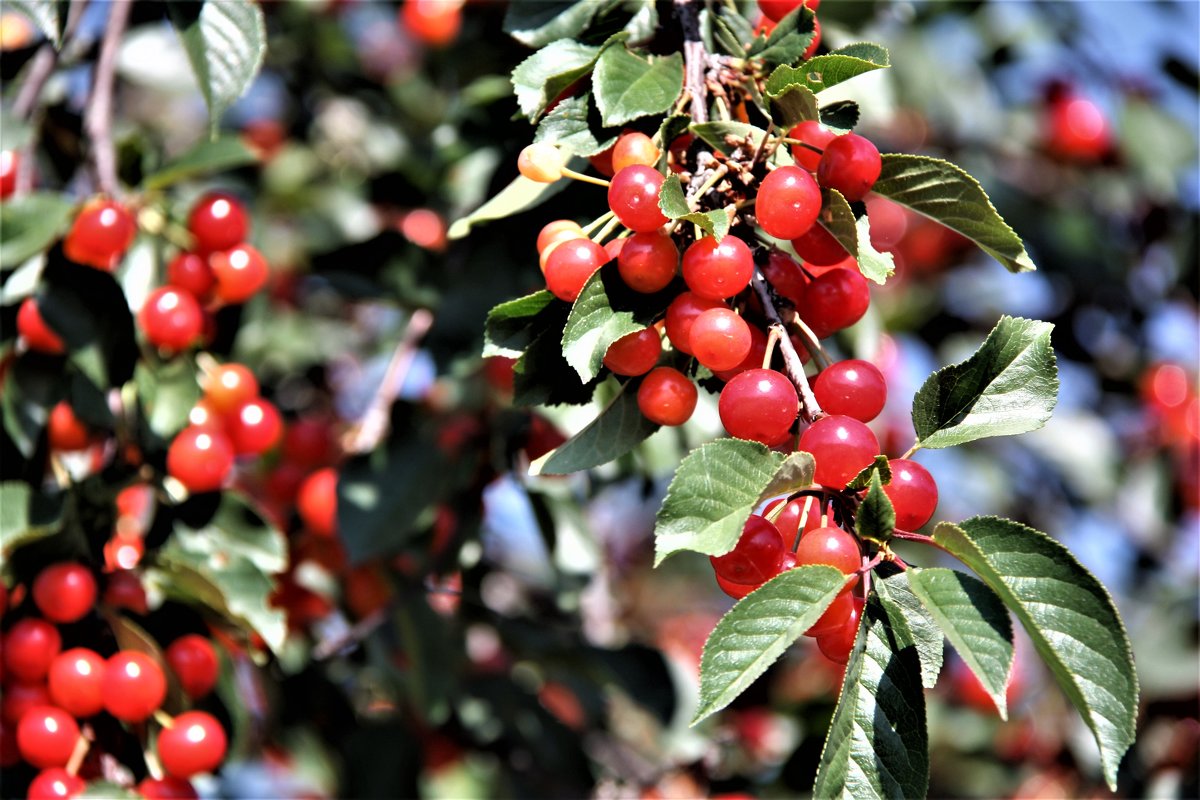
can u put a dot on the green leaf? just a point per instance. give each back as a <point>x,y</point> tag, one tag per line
<point>542,375</point>
<point>567,126</point>
<point>619,428</point>
<point>975,621</point>
<point>107,790</point>
<point>821,72</point>
<point>671,128</point>
<point>43,14</point>
<point>225,42</point>
<point>946,194</point>
<point>874,265</point>
<point>31,223</point>
<point>876,519</point>
<point>796,472</point>
<point>791,98</point>
<point>879,465</point>
<point>539,79</point>
<point>838,218</point>
<point>520,195</point>
<point>756,631</point>
<point>628,86</point>
<point>878,745</point>
<point>536,23</point>
<point>1070,617</point>
<point>840,116</point>
<point>26,516</point>
<point>897,596</point>
<point>719,135</point>
<point>507,329</point>
<point>673,203</point>
<point>210,155</point>
<point>168,392</point>
<point>1008,386</point>
<point>592,327</point>
<point>789,39</point>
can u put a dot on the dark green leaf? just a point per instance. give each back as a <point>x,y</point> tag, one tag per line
<point>876,519</point>
<point>791,103</point>
<point>756,631</point>
<point>841,116</point>
<point>862,480</point>
<point>728,136</point>
<point>567,126</point>
<point>541,78</point>
<point>619,428</point>
<point>542,375</point>
<point>593,326</point>
<point>31,223</point>
<point>225,42</point>
<point>88,308</point>
<point>30,389</point>
<point>43,14</point>
<point>789,39</point>
<point>168,392</point>
<point>671,128</point>
<point>897,595</point>
<point>210,155</point>
<point>536,23</point>
<point>628,86</point>
<point>508,326</point>
<point>821,72</point>
<point>1008,386</point>
<point>673,202</point>
<point>946,194</point>
<point>26,516</point>
<point>838,218</point>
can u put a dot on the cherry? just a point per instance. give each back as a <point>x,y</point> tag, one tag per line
<point>842,447</point>
<point>46,736</point>
<point>776,10</point>
<point>831,546</point>
<point>134,686</point>
<point>785,276</point>
<point>754,357</point>
<point>240,272</point>
<point>541,162</point>
<point>10,754</point>
<point>819,247</point>
<point>834,301</point>
<point>647,261</point>
<point>719,338</point>
<point>1076,129</point>
<point>667,396</point>
<point>850,164</point>
<point>852,387</point>
<point>633,197</point>
<point>835,616</point>
<point>10,161</point>
<point>171,319</point>
<point>634,353</point>
<point>218,221</point>
<point>788,521</point>
<point>309,442</point>
<point>736,590</point>
<point>837,645</point>
<point>37,334</point>
<point>230,386</point>
<point>76,682</point>
<point>634,148</point>
<point>681,314</point>
<point>813,133</point>
<point>166,788</point>
<point>316,502</point>
<point>64,431</point>
<point>788,203</point>
<point>433,22</point>
<point>194,663</point>
<point>100,234</point>
<point>20,697</point>
<point>64,592</point>
<point>191,272</point>
<point>759,405</point>
<point>200,458</point>
<point>757,556</point>
<point>913,493</point>
<point>717,270</point>
<point>29,647</point>
<point>553,234</point>
<point>570,265</point>
<point>55,784</point>
<point>124,589</point>
<point>254,428</point>
<point>194,743</point>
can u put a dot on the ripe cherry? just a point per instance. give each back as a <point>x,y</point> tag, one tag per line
<point>785,276</point>
<point>570,265</point>
<point>541,162</point>
<point>76,682</point>
<point>1076,129</point>
<point>718,270</point>
<point>37,334</point>
<point>200,458</point>
<point>842,447</point>
<point>850,164</point>
<point>776,10</point>
<point>835,616</point>
<point>254,428</point>
<point>230,386</point>
<point>757,556</point>
<point>64,592</point>
<point>100,234</point>
<point>647,261</point>
<point>837,645</point>
<point>46,736</point>
<point>19,697</point>
<point>134,686</point>
<point>634,353</point>
<point>736,590</point>
<point>171,319</point>
<point>832,546</point>
<point>760,405</point>
<point>788,203</point>
<point>218,221</point>
<point>166,788</point>
<point>240,272</point>
<point>834,301</point>
<point>813,133</point>
<point>852,387</point>
<point>55,784</point>
<point>681,314</point>
<point>634,148</point>
<point>818,247</point>
<point>191,272</point>
<point>559,230</point>
<point>433,22</point>
<point>754,357</point>
<point>633,197</point>
<point>309,441</point>
<point>913,493</point>
<point>124,589</point>
<point>719,338</point>
<point>194,663</point>
<point>29,647</point>
<point>667,396</point>
<point>64,431</point>
<point>807,509</point>
<point>10,161</point>
<point>194,743</point>
<point>317,502</point>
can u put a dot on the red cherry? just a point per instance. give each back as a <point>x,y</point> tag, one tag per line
<point>842,447</point>
<point>850,164</point>
<point>667,396</point>
<point>171,319</point>
<point>716,271</point>
<point>47,736</point>
<point>634,353</point>
<point>218,221</point>
<point>647,261</point>
<point>681,314</point>
<point>100,234</point>
<point>776,10</point>
<point>759,405</point>
<point>818,247</point>
<point>913,493</point>
<point>200,458</point>
<point>37,334</point>
<point>836,615</point>
<point>64,431</point>
<point>123,589</point>
<point>788,521</point>
<point>785,275</point>
<point>570,265</point>
<point>29,647</point>
<point>559,230</point>
<point>813,133</point>
<point>194,743</point>
<point>76,682</point>
<point>719,338</point>
<point>432,22</point>
<point>134,686</point>
<point>317,502</point>
<point>194,663</point>
<point>191,272</point>
<point>735,590</point>
<point>837,645</point>
<point>788,203</point>
<point>64,592</point>
<point>229,387</point>
<point>166,788</point>
<point>834,301</point>
<point>254,428</point>
<point>633,148</point>
<point>831,546</point>
<point>10,161</point>
<point>309,441</point>
<point>852,387</point>
<point>240,272</point>
<point>20,697</point>
<point>1077,129</point>
<point>757,556</point>
<point>55,784</point>
<point>754,357</point>
<point>633,197</point>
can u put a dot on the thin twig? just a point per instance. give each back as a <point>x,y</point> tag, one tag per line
<point>100,107</point>
<point>40,70</point>
<point>695,59</point>
<point>793,367</point>
<point>359,631</point>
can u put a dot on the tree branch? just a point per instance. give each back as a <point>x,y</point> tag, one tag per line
<point>695,59</point>
<point>793,367</point>
<point>98,122</point>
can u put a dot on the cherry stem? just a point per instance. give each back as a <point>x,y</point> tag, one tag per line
<point>873,563</point>
<point>695,59</point>
<point>597,222</point>
<point>99,118</point>
<point>909,453</point>
<point>811,343</point>
<point>772,340</point>
<point>82,745</point>
<point>713,179</point>
<point>608,228</point>
<point>909,536</point>
<point>579,176</point>
<point>793,367</point>
<point>164,719</point>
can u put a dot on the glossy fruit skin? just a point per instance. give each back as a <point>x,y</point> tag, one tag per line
<point>64,592</point>
<point>757,556</point>
<point>1077,130</point>
<point>37,334</point>
<point>46,736</point>
<point>64,431</point>
<point>842,447</point>
<point>788,521</point>
<point>166,788</point>
<point>834,301</point>
<point>788,203</point>
<point>200,458</point>
<point>634,353</point>
<point>100,234</point>
<point>240,272</point>
<point>29,647</point>
<point>716,271</point>
<point>194,663</point>
<point>559,230</point>
<point>541,162</point>
<point>570,265</point>
<point>785,276</point>
<point>719,338</point>
<point>171,319</point>
<point>10,161</point>
<point>191,273</point>
<point>837,645</point>
<point>254,428</point>
<point>76,681</point>
<point>759,405</point>
<point>850,164</point>
<point>913,492</point>
<point>134,686</point>
<point>309,441</point>
<point>776,10</point>
<point>55,784</point>
<point>813,133</point>
<point>20,697</point>
<point>832,546</point>
<point>681,314</point>
<point>633,197</point>
<point>835,616</point>
<point>195,743</point>
<point>667,396</point>
<point>230,386</point>
<point>317,502</point>
<point>852,387</point>
<point>218,221</point>
<point>433,22</point>
<point>753,359</point>
<point>735,590</point>
<point>634,148</point>
<point>818,247</point>
<point>648,261</point>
